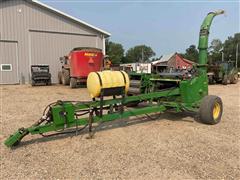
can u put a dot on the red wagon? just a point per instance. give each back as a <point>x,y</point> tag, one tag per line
<point>78,64</point>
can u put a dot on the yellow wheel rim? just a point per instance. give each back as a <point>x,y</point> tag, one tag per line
<point>216,110</point>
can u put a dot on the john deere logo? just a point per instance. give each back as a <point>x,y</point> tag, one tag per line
<point>90,54</point>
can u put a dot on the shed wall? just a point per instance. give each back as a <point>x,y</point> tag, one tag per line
<point>9,57</point>
<point>20,20</point>
<point>46,55</point>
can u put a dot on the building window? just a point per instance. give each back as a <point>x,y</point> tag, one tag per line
<point>6,67</point>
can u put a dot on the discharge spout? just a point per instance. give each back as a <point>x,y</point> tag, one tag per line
<point>203,37</point>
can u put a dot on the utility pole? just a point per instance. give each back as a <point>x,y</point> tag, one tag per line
<point>221,50</point>
<point>237,55</point>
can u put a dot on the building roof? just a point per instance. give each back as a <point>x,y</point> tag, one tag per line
<point>70,17</point>
<point>164,58</point>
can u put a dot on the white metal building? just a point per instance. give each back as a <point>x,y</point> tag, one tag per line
<point>34,33</point>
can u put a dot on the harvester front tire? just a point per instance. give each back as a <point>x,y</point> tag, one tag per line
<point>65,77</point>
<point>73,83</point>
<point>211,110</point>
<point>225,80</point>
<point>234,79</point>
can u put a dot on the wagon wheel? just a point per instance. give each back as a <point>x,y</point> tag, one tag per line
<point>65,77</point>
<point>59,77</point>
<point>211,110</point>
<point>73,82</point>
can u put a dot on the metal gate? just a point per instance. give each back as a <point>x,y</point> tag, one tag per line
<point>8,62</point>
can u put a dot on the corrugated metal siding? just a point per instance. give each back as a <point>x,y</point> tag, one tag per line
<point>65,42</point>
<point>9,55</point>
<point>1,20</point>
<point>19,17</point>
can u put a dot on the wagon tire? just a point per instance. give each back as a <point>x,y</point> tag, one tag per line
<point>73,83</point>
<point>65,77</point>
<point>59,77</point>
<point>211,110</point>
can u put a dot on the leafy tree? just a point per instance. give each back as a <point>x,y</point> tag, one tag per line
<point>115,52</point>
<point>230,46</point>
<point>215,50</point>
<point>153,59</point>
<point>140,53</point>
<point>191,53</point>
<point>216,45</point>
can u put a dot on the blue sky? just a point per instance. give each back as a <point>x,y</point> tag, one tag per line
<point>166,26</point>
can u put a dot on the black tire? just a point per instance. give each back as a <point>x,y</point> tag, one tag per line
<point>59,77</point>
<point>65,77</point>
<point>73,83</point>
<point>49,82</point>
<point>210,80</point>
<point>33,83</point>
<point>225,80</point>
<point>234,79</point>
<point>211,110</point>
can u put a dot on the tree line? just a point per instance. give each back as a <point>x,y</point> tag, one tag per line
<point>217,51</point>
<point>139,53</point>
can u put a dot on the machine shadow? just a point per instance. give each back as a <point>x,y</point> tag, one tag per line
<point>170,116</point>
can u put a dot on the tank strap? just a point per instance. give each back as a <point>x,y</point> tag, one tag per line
<point>123,77</point>
<point>99,77</point>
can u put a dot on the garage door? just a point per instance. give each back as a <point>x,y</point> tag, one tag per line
<point>48,47</point>
<point>8,63</point>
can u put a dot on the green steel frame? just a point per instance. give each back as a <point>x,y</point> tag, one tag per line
<point>65,115</point>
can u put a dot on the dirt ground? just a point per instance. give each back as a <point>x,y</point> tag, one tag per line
<point>174,146</point>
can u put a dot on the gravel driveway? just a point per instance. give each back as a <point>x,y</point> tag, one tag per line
<point>174,146</point>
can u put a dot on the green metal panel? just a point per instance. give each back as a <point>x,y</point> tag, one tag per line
<point>194,90</point>
<point>63,114</point>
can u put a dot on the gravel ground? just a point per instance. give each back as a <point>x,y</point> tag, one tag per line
<point>172,147</point>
